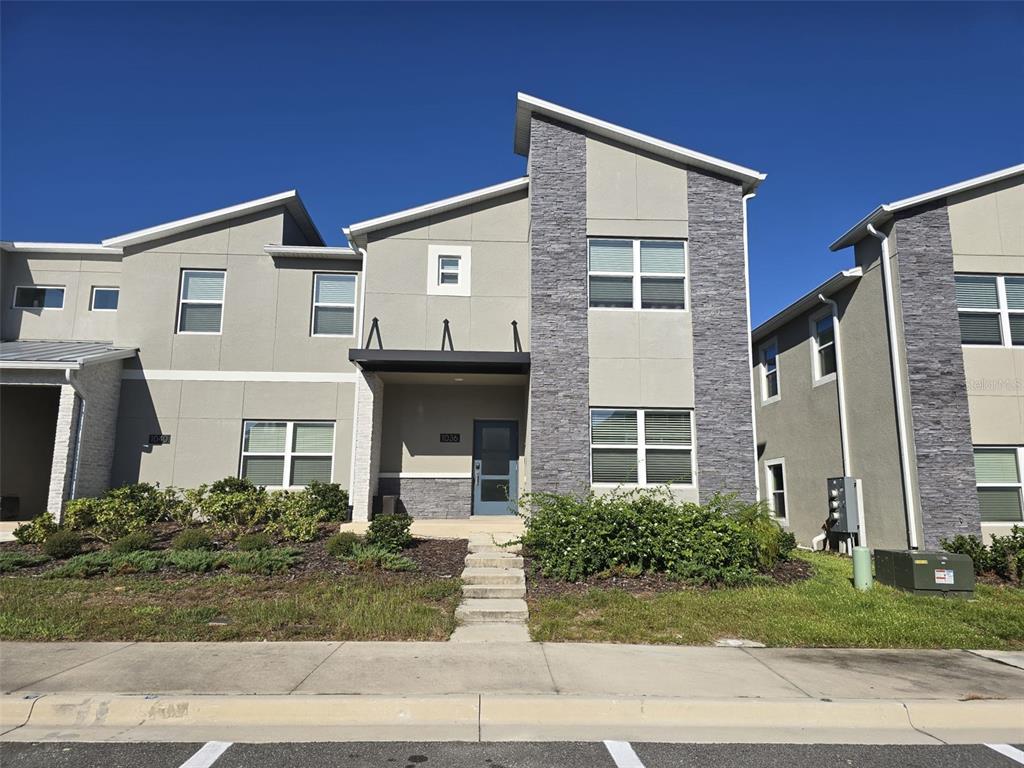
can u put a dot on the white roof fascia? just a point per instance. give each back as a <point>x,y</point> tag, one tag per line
<point>363,227</point>
<point>884,212</point>
<point>806,302</point>
<point>93,249</point>
<point>526,105</point>
<point>74,365</point>
<point>310,251</point>
<point>289,199</point>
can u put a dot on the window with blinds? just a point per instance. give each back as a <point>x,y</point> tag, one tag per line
<point>997,472</point>
<point>823,338</point>
<point>334,304</point>
<point>775,471</point>
<point>287,454</point>
<point>990,309</point>
<point>201,305</point>
<point>770,371</point>
<point>637,274</point>
<point>641,446</point>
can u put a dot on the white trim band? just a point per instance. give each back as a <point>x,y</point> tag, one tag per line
<point>427,475</point>
<point>325,377</point>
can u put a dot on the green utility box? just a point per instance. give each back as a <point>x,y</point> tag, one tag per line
<point>925,573</point>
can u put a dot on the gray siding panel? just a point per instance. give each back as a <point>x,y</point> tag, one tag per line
<point>431,497</point>
<point>935,369</point>
<point>724,433</point>
<point>560,364</point>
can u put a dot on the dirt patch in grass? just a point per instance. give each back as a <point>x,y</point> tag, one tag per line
<point>538,585</point>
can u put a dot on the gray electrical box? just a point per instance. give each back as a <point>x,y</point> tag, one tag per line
<point>844,504</point>
<point>925,573</point>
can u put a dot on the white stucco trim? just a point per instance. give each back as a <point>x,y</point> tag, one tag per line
<point>428,475</point>
<point>325,377</point>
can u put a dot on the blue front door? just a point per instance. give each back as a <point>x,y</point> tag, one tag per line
<point>495,467</point>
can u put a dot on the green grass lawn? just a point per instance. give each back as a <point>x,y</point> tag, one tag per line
<point>321,607</point>
<point>823,611</point>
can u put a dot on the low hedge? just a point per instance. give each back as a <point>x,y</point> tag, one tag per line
<point>722,542</point>
<point>1004,556</point>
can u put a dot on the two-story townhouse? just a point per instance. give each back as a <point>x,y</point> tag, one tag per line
<point>582,327</point>
<point>904,372</point>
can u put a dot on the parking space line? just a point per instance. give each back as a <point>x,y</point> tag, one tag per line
<point>623,755</point>
<point>207,754</point>
<point>1007,751</point>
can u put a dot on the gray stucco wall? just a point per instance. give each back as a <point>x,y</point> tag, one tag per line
<point>935,368</point>
<point>431,497</point>
<point>560,365</point>
<point>718,296</point>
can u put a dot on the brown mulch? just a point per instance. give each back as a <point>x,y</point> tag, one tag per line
<point>537,585</point>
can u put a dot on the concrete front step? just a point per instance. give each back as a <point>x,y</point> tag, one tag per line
<point>490,633</point>
<point>493,560</point>
<point>491,610</point>
<point>493,542</point>
<point>512,549</point>
<point>507,577</point>
<point>493,591</point>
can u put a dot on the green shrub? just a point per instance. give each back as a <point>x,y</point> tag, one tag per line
<point>233,514</point>
<point>293,516</point>
<point>340,545</point>
<point>12,561</point>
<point>252,542</point>
<point>1004,556</point>
<point>82,566</point>
<point>232,485</point>
<point>329,498</point>
<point>787,545</point>
<point>125,510</point>
<point>80,514</point>
<point>265,562</point>
<point>646,530</point>
<point>390,532</point>
<point>36,530</point>
<point>62,544</point>
<point>770,540</point>
<point>141,561</point>
<point>376,556</point>
<point>193,560</point>
<point>192,539</point>
<point>133,542</point>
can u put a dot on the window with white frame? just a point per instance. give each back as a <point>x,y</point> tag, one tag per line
<point>641,446</point>
<point>823,346</point>
<point>997,471</point>
<point>287,454</point>
<point>334,304</point>
<point>449,270</point>
<point>991,309</point>
<point>770,371</point>
<point>775,472</point>
<point>39,297</point>
<point>104,299</point>
<point>201,305</point>
<point>637,274</point>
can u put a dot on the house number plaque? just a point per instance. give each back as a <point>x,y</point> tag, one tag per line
<point>450,437</point>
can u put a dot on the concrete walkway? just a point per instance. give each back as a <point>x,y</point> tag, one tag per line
<point>371,691</point>
<point>493,608</point>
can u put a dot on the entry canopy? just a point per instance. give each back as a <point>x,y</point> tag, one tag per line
<point>440,361</point>
<point>58,355</point>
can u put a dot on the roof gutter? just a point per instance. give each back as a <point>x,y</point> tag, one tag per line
<point>897,380</point>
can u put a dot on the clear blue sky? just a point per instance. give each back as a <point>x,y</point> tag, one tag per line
<point>124,115</point>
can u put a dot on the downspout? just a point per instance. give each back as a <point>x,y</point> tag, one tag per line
<point>897,379</point>
<point>844,438</point>
<point>359,336</point>
<point>77,436</point>
<point>750,346</point>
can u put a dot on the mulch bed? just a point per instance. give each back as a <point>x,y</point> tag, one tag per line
<point>786,572</point>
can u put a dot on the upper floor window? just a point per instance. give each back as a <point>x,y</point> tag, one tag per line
<point>991,309</point>
<point>997,471</point>
<point>641,446</point>
<point>39,297</point>
<point>770,371</point>
<point>637,274</point>
<point>287,454</point>
<point>448,270</point>
<point>201,308</point>
<point>334,304</point>
<point>823,347</point>
<point>775,470</point>
<point>104,299</point>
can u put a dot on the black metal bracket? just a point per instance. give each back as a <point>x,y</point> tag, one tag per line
<point>516,344</point>
<point>446,336</point>
<point>374,329</point>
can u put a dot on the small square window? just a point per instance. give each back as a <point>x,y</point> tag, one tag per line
<point>104,299</point>
<point>449,270</point>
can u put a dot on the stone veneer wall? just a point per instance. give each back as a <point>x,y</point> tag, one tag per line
<point>723,431</point>
<point>560,358</point>
<point>366,453</point>
<point>431,497</point>
<point>940,417</point>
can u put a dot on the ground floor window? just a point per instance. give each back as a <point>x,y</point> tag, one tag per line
<point>641,446</point>
<point>287,454</point>
<point>999,483</point>
<point>775,471</point>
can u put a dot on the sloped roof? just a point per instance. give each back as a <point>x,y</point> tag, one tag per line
<point>808,301</point>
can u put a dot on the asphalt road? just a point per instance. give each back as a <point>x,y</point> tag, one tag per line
<point>498,755</point>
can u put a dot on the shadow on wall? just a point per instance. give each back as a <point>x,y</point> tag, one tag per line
<point>28,424</point>
<point>138,430</point>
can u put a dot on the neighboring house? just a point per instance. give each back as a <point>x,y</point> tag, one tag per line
<point>585,326</point>
<point>937,294</point>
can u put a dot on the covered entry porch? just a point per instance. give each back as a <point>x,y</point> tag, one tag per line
<point>440,435</point>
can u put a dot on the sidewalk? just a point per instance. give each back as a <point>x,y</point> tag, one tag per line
<point>329,691</point>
